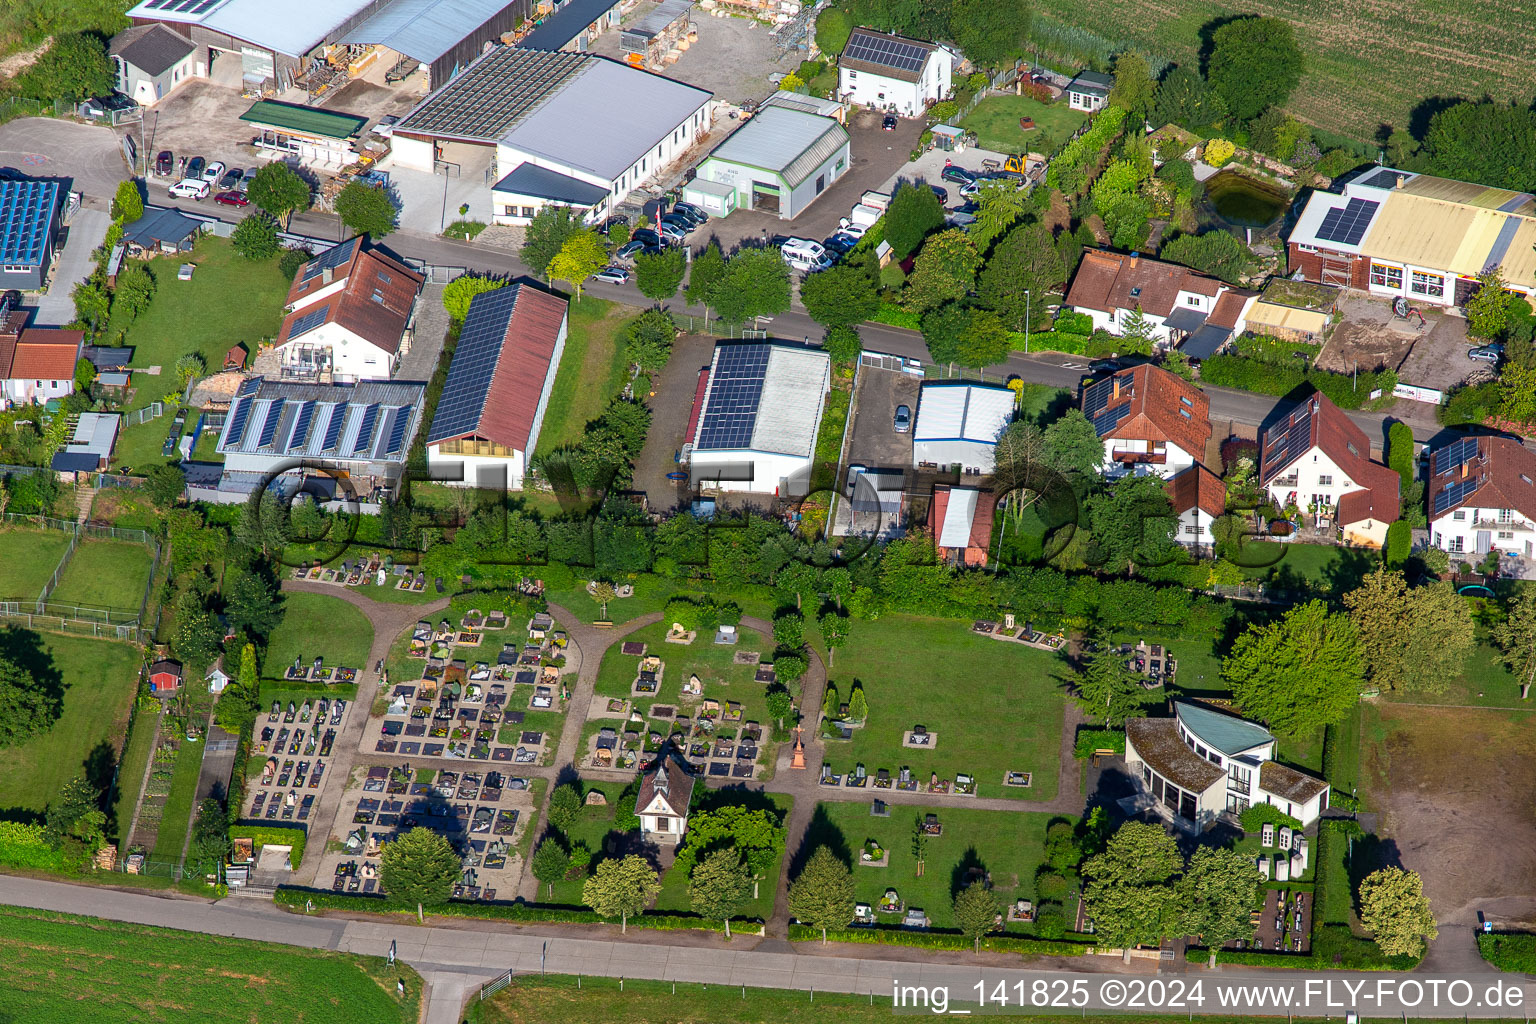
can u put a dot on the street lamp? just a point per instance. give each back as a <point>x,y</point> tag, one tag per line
<point>1027,322</point>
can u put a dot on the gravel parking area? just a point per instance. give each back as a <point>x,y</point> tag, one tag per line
<point>732,59</point>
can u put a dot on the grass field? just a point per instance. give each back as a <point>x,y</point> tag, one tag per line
<point>1366,64</point>
<point>178,810</point>
<point>591,371</point>
<point>193,316</point>
<point>993,707</point>
<point>27,561</point>
<point>996,124</point>
<point>99,679</point>
<point>137,748</point>
<point>63,969</point>
<point>315,625</point>
<point>106,573</point>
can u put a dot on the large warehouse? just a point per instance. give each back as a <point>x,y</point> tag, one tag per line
<point>778,162</point>
<point>755,417</point>
<point>586,121</point>
<point>274,40</point>
<point>958,424</point>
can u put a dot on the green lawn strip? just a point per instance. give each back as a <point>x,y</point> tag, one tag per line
<point>829,438</point>
<point>674,884</point>
<point>99,679</point>
<point>1509,951</point>
<point>61,968</point>
<point>592,825</point>
<point>105,574</point>
<point>130,773</point>
<point>126,508</point>
<point>1197,669</point>
<point>1304,750</point>
<point>27,561</point>
<point>993,707</point>
<point>1341,752</point>
<point>651,595</point>
<point>177,813</point>
<point>317,625</point>
<point>548,722</point>
<point>591,371</point>
<point>996,124</point>
<point>1007,845</point>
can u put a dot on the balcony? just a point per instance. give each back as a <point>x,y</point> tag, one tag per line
<point>1131,458</point>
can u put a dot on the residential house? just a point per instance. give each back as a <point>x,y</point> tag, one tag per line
<point>662,803</point>
<point>1152,422</point>
<point>1089,91</point>
<point>1203,763</point>
<point>958,424</point>
<point>29,227</point>
<point>348,314</point>
<point>37,364</point>
<point>1173,304</point>
<point>152,60</point>
<point>778,163</point>
<point>1316,459</point>
<point>961,520</point>
<point>165,677</point>
<point>486,425</point>
<point>890,72</point>
<point>1482,496</point>
<point>1198,497</point>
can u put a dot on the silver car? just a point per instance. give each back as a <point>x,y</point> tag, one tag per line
<point>612,275</point>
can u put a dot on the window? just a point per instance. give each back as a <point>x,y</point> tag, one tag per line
<point>1386,277</point>
<point>821,183</point>
<point>1506,515</point>
<point>1194,301</point>
<point>1456,544</point>
<point>663,824</point>
<point>1200,749</point>
<point>1506,535</point>
<point>852,75</point>
<point>1432,285</point>
<point>1459,514</point>
<point>1191,530</point>
<point>1325,481</point>
<point>529,211</point>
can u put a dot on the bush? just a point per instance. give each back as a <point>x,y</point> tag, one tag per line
<point>1051,886</point>
<point>1219,151</point>
<point>1065,342</point>
<point>1074,323</point>
<point>1509,951</point>
<point>1256,817</point>
<point>1269,349</point>
<point>892,936</point>
<point>262,835</point>
<point>1267,379</point>
<point>893,315</point>
<point>1399,542</point>
<point>1470,405</point>
<point>292,259</point>
<point>22,846</point>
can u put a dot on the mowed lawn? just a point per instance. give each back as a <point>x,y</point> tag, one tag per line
<point>318,626</point>
<point>99,679</point>
<point>106,574</point>
<point>992,706</point>
<point>63,969</point>
<point>27,561</point>
<point>591,371</point>
<point>1008,846</point>
<point>996,124</point>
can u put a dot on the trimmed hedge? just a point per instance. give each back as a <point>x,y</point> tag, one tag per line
<point>263,835</point>
<point>1049,341</point>
<point>1334,948</point>
<point>893,315</point>
<point>1509,951</point>
<point>1269,379</point>
<point>939,940</point>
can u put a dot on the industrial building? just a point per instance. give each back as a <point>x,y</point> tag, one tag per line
<point>958,424</point>
<point>778,162</point>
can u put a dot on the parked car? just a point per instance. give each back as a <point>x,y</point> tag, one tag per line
<point>194,168</point>
<point>689,210</point>
<point>190,188</point>
<point>839,244</point>
<point>1487,353</point>
<point>230,179</point>
<point>246,179</point>
<point>903,422</point>
<point>889,123</point>
<point>612,275</point>
<point>941,192</point>
<point>165,163</point>
<point>233,197</point>
<point>629,250</point>
<point>970,188</point>
<point>213,172</point>
<point>958,175</point>
<point>803,249</point>
<point>645,236</point>
<point>672,233</point>
<point>683,223</point>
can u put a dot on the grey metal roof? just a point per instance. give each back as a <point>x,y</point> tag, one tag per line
<point>803,103</point>
<point>488,98</point>
<point>660,17</point>
<point>1185,318</point>
<point>1226,733</point>
<point>373,421</point>
<point>1205,342</point>
<point>543,183</point>
<point>604,119</point>
<point>153,49</point>
<point>1091,81</point>
<point>293,27</point>
<point>424,30</point>
<point>160,224</point>
<point>570,21</point>
<point>789,142</point>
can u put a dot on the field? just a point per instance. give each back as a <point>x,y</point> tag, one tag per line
<point>996,124</point>
<point>1366,64</point>
<point>98,679</point>
<point>27,561</point>
<point>62,969</point>
<point>992,707</point>
<point>591,371</point>
<point>315,625</point>
<point>178,810</point>
<point>105,573</point>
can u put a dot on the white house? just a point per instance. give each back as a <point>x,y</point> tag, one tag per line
<point>1089,91</point>
<point>348,313</point>
<point>755,414</point>
<point>486,425</point>
<point>1316,459</point>
<point>1198,497</point>
<point>662,803</point>
<point>217,678</point>
<point>1177,306</point>
<point>958,424</point>
<point>1204,763</point>
<point>152,60</point>
<point>1152,422</point>
<point>37,364</point>
<point>877,69</point>
<point>1482,496</point>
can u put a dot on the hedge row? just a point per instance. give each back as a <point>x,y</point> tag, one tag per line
<point>262,835</point>
<point>939,940</point>
<point>22,846</point>
<point>893,315</point>
<point>1509,951</point>
<point>1048,341</point>
<point>1269,379</point>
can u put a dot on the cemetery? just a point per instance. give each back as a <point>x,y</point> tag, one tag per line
<point>296,739</point>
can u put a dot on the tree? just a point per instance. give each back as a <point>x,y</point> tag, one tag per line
<point>989,32</point>
<point>822,895</point>
<point>1105,687</point>
<point>546,234</point>
<point>1184,98</point>
<point>1000,202</point>
<point>564,807</point>
<point>1298,673</point>
<point>780,703</point>
<point>1486,141</point>
<point>1129,887</point>
<point>419,868</point>
<point>721,887</point>
<point>238,701</point>
<point>1072,445</point>
<point>209,842</point>
<point>943,331</point>
<point>658,274</point>
<point>92,305</point>
<point>1134,521</point>
<point>841,296</point>
<point>76,799</point>
<point>858,704</point>
<point>1400,451</point>
<point>1488,308</point>
<point>291,260</point>
<point>1255,63</point>
<point>789,667</point>
<point>1216,253</point>
<point>255,237</point>
<point>833,27</point>
<point>263,523</point>
<point>648,340</point>
<point>1414,639</point>
<point>842,344</point>
<point>619,888</point>
<point>789,630</point>
<point>28,707</point>
<point>253,604</point>
<point>461,291</point>
<point>985,341</point>
<point>757,834</point>
<point>944,271</point>
<point>976,910</point>
<point>165,484</point>
<point>704,276</point>
<point>198,638</point>
<point>1216,896</point>
<point>1025,266</point>
<point>1515,638</point>
<point>920,844</point>
<point>913,213</point>
<point>1135,90</point>
<point>1399,543</point>
<point>581,255</point>
<point>366,209</point>
<point>1393,905</point>
<point>128,204</point>
<point>279,190</point>
<point>755,283</point>
<point>85,375</point>
<point>74,67</point>
<point>550,863</point>
<point>834,633</point>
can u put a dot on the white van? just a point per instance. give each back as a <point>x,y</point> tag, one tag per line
<point>806,255</point>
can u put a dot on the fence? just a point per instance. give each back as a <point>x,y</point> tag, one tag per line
<point>997,82</point>
<point>700,325</point>
<point>495,985</point>
<point>58,570</point>
<point>932,372</point>
<point>152,411</point>
<point>16,612</point>
<point>9,470</point>
<point>152,869</point>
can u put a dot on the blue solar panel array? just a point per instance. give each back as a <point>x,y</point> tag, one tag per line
<point>397,431</point>
<point>26,220</point>
<point>1454,454</point>
<point>365,432</point>
<point>269,425</point>
<point>301,425</point>
<point>1096,406</point>
<point>332,258</point>
<point>1346,225</point>
<point>474,363</point>
<point>1109,419</point>
<point>237,422</point>
<point>180,6</point>
<point>1455,493</point>
<point>309,321</point>
<point>735,391</point>
<point>333,427</point>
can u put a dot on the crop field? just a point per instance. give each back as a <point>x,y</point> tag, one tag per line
<point>1367,63</point>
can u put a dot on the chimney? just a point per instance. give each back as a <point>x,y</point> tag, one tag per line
<point>1116,393</point>
<point>326,275</point>
<point>1465,468</point>
<point>1401,181</point>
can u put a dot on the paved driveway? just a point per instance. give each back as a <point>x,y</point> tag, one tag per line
<point>86,156</point>
<point>86,232</point>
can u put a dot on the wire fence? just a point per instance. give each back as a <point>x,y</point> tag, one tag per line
<point>25,613</point>
<point>58,570</point>
<point>152,411</point>
<point>495,985</point>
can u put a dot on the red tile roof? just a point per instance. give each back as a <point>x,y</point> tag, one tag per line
<point>1197,487</point>
<point>672,780</point>
<point>1229,307</point>
<point>517,380</point>
<point>981,523</point>
<point>374,302</point>
<point>1105,281</point>
<point>1158,402</point>
<point>45,353</point>
<point>1317,423</point>
<point>1504,471</point>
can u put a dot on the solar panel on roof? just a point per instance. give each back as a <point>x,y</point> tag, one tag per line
<point>309,321</point>
<point>474,363</point>
<point>397,431</point>
<point>1097,397</point>
<point>332,258</point>
<point>1455,453</point>
<point>893,53</point>
<point>735,391</point>
<point>333,427</point>
<point>269,425</point>
<point>1346,225</point>
<point>1455,493</point>
<point>301,426</point>
<point>1109,419</point>
<point>237,422</point>
<point>1384,178</point>
<point>365,432</point>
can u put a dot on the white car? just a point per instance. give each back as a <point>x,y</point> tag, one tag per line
<point>191,188</point>
<point>612,275</point>
<point>804,250</point>
<point>214,171</point>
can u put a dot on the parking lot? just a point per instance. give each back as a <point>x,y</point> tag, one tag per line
<point>876,445</point>
<point>88,157</point>
<point>732,58</point>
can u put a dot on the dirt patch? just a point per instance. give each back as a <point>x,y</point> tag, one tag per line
<point>16,63</point>
<point>1370,345</point>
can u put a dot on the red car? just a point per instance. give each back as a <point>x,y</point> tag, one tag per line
<point>233,197</point>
